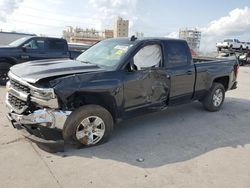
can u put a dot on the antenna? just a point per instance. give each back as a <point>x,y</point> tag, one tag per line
<point>133,38</point>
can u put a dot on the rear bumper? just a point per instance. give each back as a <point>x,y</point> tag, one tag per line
<point>48,139</point>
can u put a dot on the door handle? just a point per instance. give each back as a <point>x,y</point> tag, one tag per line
<point>189,72</point>
<point>167,76</point>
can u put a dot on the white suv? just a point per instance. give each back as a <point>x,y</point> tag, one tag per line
<point>229,43</point>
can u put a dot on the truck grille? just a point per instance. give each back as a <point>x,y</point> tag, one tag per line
<point>19,87</point>
<point>17,96</point>
<point>20,99</point>
<point>17,103</point>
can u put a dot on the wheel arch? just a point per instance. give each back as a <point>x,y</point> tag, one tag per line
<point>10,60</point>
<point>224,80</point>
<point>108,102</point>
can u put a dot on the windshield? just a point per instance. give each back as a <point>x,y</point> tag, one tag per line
<point>106,53</point>
<point>18,42</point>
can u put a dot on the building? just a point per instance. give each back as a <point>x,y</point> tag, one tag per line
<point>139,34</point>
<point>8,37</point>
<point>121,28</point>
<point>74,34</point>
<point>82,40</point>
<point>108,33</point>
<point>192,36</point>
<point>86,36</point>
<point>91,36</point>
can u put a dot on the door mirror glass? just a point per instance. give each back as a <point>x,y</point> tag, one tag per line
<point>131,67</point>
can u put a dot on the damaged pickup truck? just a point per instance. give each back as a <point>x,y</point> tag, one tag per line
<point>79,101</point>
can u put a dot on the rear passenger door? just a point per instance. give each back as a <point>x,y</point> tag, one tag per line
<point>57,48</point>
<point>181,71</point>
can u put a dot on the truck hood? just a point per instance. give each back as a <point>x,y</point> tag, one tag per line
<point>34,71</point>
<point>3,48</point>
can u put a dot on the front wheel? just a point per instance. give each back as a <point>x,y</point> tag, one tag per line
<point>215,98</point>
<point>88,125</point>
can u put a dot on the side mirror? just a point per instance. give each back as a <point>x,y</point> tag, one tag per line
<point>132,67</point>
<point>24,48</point>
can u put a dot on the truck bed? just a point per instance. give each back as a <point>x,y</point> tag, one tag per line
<point>210,69</point>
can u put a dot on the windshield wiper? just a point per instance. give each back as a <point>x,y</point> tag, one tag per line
<point>87,62</point>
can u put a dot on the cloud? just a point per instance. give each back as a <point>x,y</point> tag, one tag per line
<point>8,7</point>
<point>235,25</point>
<point>108,10</point>
<point>46,17</point>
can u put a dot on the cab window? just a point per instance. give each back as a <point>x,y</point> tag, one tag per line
<point>56,45</point>
<point>148,57</point>
<point>176,53</point>
<point>35,44</point>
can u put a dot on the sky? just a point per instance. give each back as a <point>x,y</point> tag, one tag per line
<point>217,19</point>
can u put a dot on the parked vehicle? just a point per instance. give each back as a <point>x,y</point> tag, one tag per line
<point>246,46</point>
<point>32,48</point>
<point>226,56</point>
<point>229,43</point>
<point>116,79</point>
<point>244,59</point>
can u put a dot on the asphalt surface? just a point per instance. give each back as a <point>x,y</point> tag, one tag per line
<point>184,146</point>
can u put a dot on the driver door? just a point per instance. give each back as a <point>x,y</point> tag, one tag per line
<point>147,84</point>
<point>34,50</point>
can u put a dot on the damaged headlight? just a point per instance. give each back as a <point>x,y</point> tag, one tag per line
<point>45,94</point>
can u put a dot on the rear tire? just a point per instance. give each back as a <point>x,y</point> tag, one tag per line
<point>215,98</point>
<point>88,126</point>
<point>4,69</point>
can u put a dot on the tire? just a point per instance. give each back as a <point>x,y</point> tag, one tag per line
<point>211,102</point>
<point>242,63</point>
<point>4,69</point>
<point>79,132</point>
<point>248,60</point>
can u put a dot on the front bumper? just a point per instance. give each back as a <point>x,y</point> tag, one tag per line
<point>44,117</point>
<point>50,140</point>
<point>43,127</point>
<point>234,86</point>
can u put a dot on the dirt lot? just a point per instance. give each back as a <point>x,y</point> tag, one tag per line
<point>181,147</point>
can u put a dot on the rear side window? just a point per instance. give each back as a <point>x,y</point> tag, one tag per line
<point>176,53</point>
<point>56,45</point>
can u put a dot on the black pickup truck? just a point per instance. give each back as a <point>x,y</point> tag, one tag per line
<point>32,48</point>
<point>81,100</point>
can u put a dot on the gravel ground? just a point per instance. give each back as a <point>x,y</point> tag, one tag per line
<point>184,146</point>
